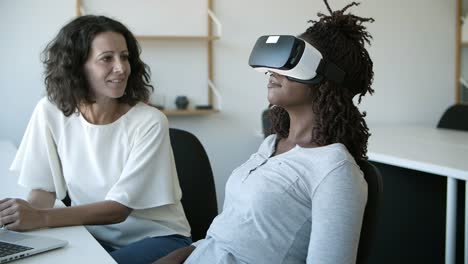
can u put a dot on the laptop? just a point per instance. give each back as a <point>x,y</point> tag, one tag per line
<point>14,245</point>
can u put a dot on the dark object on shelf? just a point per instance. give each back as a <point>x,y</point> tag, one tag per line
<point>181,102</point>
<point>204,107</point>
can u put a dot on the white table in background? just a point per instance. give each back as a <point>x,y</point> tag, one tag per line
<point>442,152</point>
<point>81,248</point>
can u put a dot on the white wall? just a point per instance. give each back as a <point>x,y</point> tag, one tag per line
<point>413,52</point>
<point>26,26</point>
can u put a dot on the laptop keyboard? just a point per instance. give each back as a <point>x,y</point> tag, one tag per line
<point>10,249</point>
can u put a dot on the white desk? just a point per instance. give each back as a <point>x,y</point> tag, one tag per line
<point>82,247</point>
<point>438,151</point>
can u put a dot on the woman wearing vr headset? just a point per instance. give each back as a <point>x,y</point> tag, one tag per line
<point>301,197</point>
<point>95,138</point>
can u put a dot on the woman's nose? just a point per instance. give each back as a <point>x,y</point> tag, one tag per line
<point>119,66</point>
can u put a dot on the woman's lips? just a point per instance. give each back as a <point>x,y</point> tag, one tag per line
<point>273,83</point>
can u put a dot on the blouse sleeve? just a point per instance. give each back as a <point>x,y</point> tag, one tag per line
<point>37,161</point>
<point>337,211</point>
<point>149,178</point>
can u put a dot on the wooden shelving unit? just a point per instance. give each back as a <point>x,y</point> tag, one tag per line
<point>190,112</point>
<point>461,49</point>
<point>181,38</point>
<point>186,112</point>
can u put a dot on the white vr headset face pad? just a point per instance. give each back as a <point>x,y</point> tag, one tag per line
<point>305,69</point>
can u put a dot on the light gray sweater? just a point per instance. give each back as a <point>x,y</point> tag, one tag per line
<point>302,206</point>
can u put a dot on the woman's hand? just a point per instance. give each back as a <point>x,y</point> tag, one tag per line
<point>19,215</point>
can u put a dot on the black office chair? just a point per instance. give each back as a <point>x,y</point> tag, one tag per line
<point>455,117</point>
<point>266,122</point>
<point>371,214</point>
<point>196,181</point>
<point>66,201</point>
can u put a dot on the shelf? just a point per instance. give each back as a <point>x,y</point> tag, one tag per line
<point>204,38</point>
<point>190,112</point>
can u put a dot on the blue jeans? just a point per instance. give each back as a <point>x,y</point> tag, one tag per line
<point>148,250</point>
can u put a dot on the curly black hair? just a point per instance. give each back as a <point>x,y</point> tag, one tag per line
<point>340,38</point>
<point>64,58</point>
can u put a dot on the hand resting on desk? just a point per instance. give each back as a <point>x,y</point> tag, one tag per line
<point>19,215</point>
<point>38,212</point>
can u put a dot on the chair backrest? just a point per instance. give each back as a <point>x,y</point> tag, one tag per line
<point>455,117</point>
<point>266,122</point>
<point>371,214</point>
<point>196,181</point>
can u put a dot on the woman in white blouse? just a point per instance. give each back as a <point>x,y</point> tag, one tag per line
<point>93,138</point>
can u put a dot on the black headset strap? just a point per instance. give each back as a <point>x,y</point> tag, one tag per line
<point>326,70</point>
<point>330,71</point>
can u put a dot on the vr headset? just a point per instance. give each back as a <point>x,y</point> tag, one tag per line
<point>294,58</point>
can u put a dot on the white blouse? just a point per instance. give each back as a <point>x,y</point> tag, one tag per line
<point>129,161</point>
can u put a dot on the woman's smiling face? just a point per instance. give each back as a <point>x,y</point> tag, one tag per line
<point>107,68</point>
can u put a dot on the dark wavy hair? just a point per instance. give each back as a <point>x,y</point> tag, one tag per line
<point>340,38</point>
<point>65,56</point>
